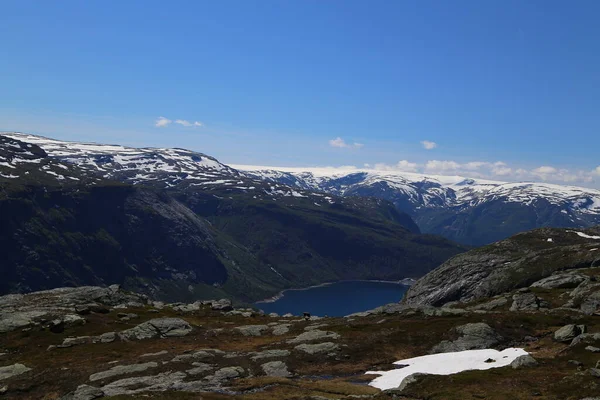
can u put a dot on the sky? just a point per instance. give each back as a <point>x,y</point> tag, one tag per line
<point>503,89</point>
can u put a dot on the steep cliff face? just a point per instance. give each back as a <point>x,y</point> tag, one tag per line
<point>506,265</point>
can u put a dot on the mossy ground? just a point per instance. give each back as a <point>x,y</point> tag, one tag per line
<point>368,343</point>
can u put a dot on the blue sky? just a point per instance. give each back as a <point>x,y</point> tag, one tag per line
<point>505,89</point>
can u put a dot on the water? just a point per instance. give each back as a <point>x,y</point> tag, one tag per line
<point>337,299</point>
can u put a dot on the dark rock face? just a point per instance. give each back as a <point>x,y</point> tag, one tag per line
<point>513,263</point>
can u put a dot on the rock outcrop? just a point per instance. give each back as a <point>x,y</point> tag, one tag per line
<point>517,262</point>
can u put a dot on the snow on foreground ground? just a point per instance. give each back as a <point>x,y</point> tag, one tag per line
<point>445,364</point>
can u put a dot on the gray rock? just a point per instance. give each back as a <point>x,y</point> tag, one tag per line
<point>594,372</point>
<point>490,305</point>
<point>273,315</point>
<point>86,392</point>
<point>525,302</point>
<point>471,336</point>
<point>314,335</point>
<point>281,329</point>
<point>157,354</point>
<point>127,316</point>
<point>276,368</point>
<point>188,307</point>
<point>158,327</point>
<point>561,281</point>
<point>317,348</point>
<point>154,383</point>
<point>568,333</point>
<point>252,330</point>
<point>586,338</point>
<point>12,370</point>
<point>524,361</point>
<point>409,380</point>
<point>593,349</point>
<point>198,355</point>
<point>199,368</point>
<point>122,370</point>
<point>3,389</point>
<point>19,320</point>
<point>269,354</point>
<point>316,326</point>
<point>288,315</point>
<point>225,374</point>
<point>75,341</point>
<point>222,305</point>
<point>107,337</point>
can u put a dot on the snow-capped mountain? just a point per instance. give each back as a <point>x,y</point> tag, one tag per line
<point>474,211</point>
<point>39,158</point>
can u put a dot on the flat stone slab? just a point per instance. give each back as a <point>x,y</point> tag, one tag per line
<point>269,354</point>
<point>252,330</point>
<point>317,348</point>
<point>122,370</point>
<point>12,370</point>
<point>313,335</point>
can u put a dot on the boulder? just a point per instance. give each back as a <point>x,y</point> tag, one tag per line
<point>222,305</point>
<point>313,335</point>
<point>225,374</point>
<point>560,281</point>
<point>86,392</point>
<point>317,348</point>
<point>568,332</point>
<point>593,349</point>
<point>282,329</point>
<point>525,302</point>
<point>472,336</point>
<point>12,370</point>
<point>252,330</point>
<point>158,327</point>
<point>276,368</point>
<point>524,361</point>
<point>154,383</point>
<point>122,370</point>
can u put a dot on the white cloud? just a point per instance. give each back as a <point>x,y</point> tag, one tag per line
<point>596,171</point>
<point>429,145</point>
<point>442,166</point>
<point>341,143</point>
<point>544,170</point>
<point>161,122</point>
<point>183,122</point>
<point>403,165</point>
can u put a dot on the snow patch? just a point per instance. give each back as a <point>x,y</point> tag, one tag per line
<point>445,364</point>
<point>586,236</point>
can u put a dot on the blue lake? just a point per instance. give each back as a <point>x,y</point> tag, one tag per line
<point>337,299</point>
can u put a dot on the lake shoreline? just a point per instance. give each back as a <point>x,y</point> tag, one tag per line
<point>280,295</point>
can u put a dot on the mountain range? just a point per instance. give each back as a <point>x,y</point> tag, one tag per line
<point>467,210</point>
<point>178,225</point>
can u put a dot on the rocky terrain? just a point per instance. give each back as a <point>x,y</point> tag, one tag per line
<point>514,263</point>
<point>79,214</point>
<point>104,342</point>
